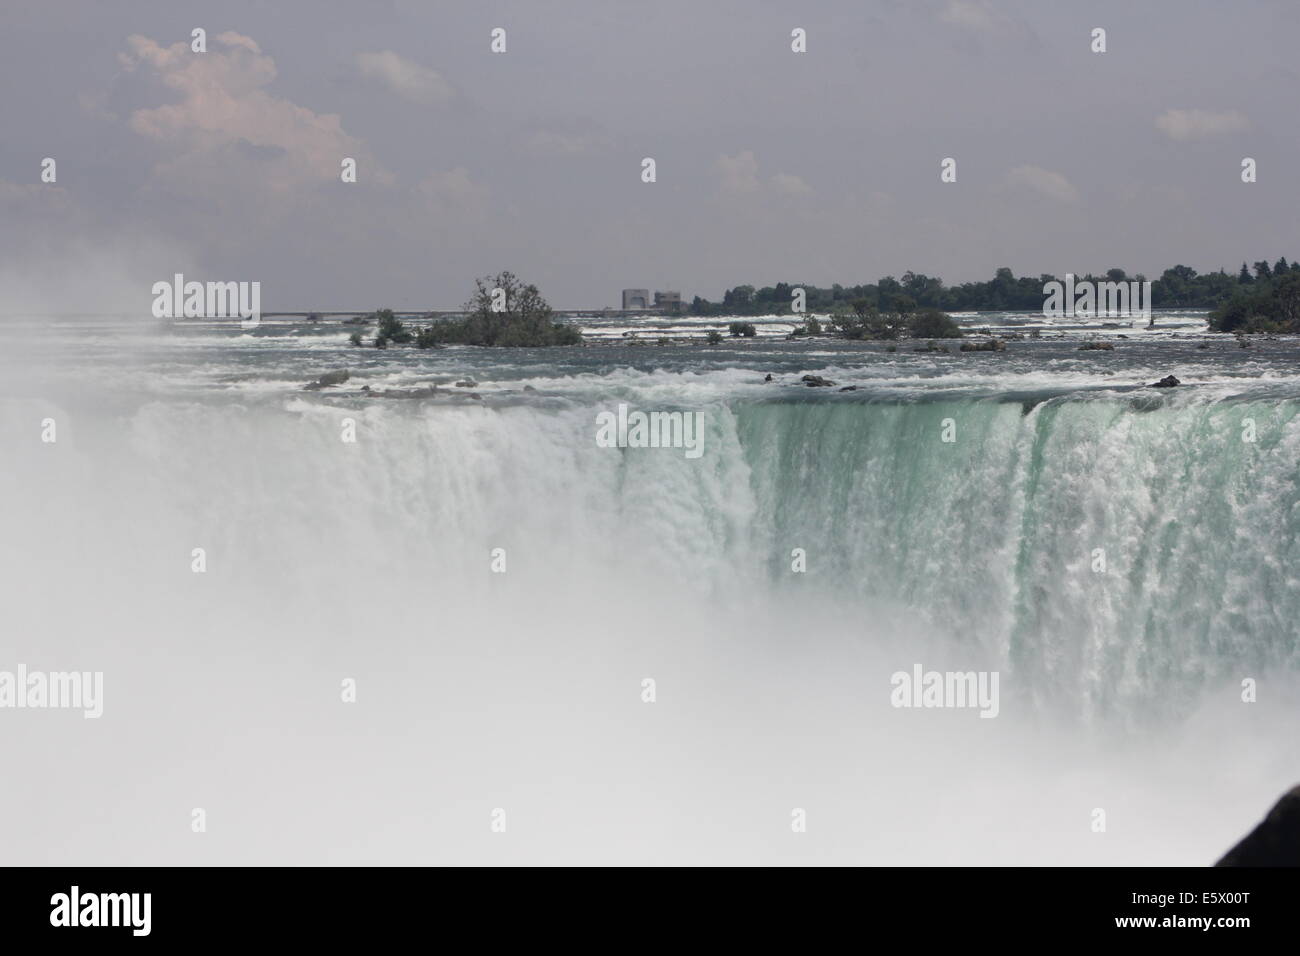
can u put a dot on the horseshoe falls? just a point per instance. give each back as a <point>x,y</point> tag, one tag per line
<point>387,608</point>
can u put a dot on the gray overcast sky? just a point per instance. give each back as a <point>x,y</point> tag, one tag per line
<point>772,166</point>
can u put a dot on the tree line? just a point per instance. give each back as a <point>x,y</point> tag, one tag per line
<point>1177,287</point>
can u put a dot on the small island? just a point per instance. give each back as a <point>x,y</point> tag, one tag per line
<point>502,312</point>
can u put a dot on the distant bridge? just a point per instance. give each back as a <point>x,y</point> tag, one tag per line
<point>455,313</point>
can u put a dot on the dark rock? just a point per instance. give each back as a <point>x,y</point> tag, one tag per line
<point>529,388</point>
<point>768,378</point>
<point>1275,842</point>
<point>992,345</point>
<point>357,320</point>
<point>468,383</point>
<point>816,381</point>
<point>1096,347</point>
<point>1204,345</point>
<point>337,377</point>
<point>1168,381</point>
<point>428,392</point>
<point>849,388</point>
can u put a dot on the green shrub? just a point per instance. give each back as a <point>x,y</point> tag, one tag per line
<point>391,328</point>
<point>504,312</point>
<point>933,324</point>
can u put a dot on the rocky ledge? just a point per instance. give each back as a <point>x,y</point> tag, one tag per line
<point>1275,842</point>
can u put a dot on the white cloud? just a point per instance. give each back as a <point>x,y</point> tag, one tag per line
<point>38,196</point>
<point>1183,125</point>
<point>406,78</point>
<point>225,118</point>
<point>1044,181</point>
<point>740,175</point>
<point>739,172</point>
<point>453,192</point>
<point>978,21</point>
<point>789,185</point>
<point>969,14</point>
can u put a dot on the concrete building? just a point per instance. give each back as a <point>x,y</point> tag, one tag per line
<point>670,302</point>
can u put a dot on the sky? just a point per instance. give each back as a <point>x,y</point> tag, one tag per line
<point>770,165</point>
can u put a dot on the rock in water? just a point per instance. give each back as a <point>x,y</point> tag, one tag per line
<point>428,392</point>
<point>1275,842</point>
<point>992,345</point>
<point>1168,381</point>
<point>816,381</point>
<point>329,378</point>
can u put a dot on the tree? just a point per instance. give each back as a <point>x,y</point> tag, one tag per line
<point>855,325</point>
<point>870,322</point>
<point>1287,293</point>
<point>739,299</point>
<point>1179,286</point>
<point>391,328</point>
<point>503,312</point>
<point>742,328</point>
<point>933,324</point>
<point>1268,307</point>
